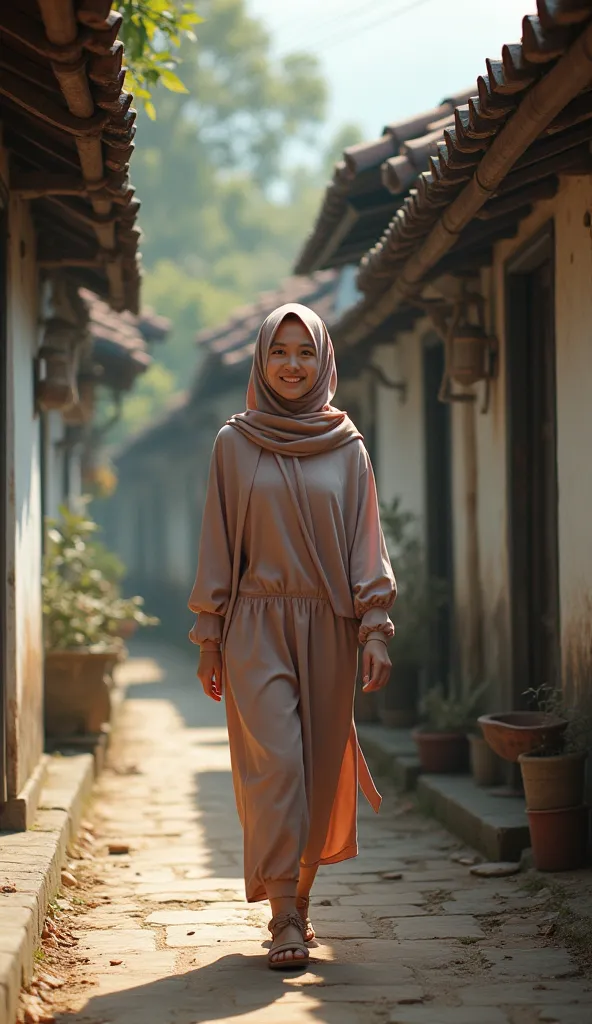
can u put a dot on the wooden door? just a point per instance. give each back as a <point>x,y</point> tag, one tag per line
<point>532,439</point>
<point>438,464</point>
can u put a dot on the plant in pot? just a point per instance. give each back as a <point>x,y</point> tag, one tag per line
<point>420,599</point>
<point>83,612</point>
<point>441,739</point>
<point>553,775</point>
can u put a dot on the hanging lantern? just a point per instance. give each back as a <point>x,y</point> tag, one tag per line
<point>55,386</point>
<point>470,350</point>
<point>469,355</point>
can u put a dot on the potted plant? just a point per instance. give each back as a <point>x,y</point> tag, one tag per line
<point>553,775</point>
<point>442,737</point>
<point>518,732</point>
<point>420,599</point>
<point>83,612</point>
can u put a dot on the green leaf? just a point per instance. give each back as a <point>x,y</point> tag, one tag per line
<point>171,81</point>
<point>150,110</point>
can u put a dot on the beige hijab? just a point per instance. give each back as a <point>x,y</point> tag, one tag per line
<point>301,426</point>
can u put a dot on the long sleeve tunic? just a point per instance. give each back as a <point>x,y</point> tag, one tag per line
<point>293,573</point>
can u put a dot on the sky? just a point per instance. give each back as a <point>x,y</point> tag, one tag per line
<point>385,60</point>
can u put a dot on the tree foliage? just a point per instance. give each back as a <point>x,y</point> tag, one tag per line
<point>226,179</point>
<point>152,32</point>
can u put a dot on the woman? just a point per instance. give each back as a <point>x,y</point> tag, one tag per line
<point>293,573</point>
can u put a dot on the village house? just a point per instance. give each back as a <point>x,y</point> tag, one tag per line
<point>68,242</point>
<point>465,234</point>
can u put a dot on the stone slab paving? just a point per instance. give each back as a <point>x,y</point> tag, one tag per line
<point>164,936</point>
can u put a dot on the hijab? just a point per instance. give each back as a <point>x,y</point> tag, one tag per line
<point>301,426</point>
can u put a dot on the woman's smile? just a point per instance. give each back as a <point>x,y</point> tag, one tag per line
<point>292,362</point>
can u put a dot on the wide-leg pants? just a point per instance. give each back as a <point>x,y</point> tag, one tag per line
<point>290,667</point>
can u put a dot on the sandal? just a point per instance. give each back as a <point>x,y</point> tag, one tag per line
<point>276,926</point>
<point>302,904</point>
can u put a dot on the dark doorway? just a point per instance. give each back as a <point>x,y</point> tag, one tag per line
<point>532,439</point>
<point>438,508</point>
<point>3,496</point>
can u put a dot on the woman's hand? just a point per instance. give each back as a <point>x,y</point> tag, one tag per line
<point>209,674</point>
<point>376,666</point>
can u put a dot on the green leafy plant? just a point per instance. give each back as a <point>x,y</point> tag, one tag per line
<point>420,597</point>
<point>455,713</point>
<point>577,737</point>
<point>152,33</point>
<point>82,602</point>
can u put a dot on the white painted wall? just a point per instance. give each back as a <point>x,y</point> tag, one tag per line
<point>24,668</point>
<point>400,441</point>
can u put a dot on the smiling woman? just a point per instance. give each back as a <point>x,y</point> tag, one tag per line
<point>293,575</point>
<point>292,363</point>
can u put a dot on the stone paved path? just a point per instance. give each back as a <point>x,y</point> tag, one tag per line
<point>164,936</point>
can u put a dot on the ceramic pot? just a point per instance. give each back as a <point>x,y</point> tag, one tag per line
<point>485,764</point>
<point>77,692</point>
<point>559,838</point>
<point>520,732</point>
<point>442,753</point>
<point>553,782</point>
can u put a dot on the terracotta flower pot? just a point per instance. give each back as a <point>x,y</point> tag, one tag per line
<point>77,691</point>
<point>485,764</point>
<point>559,838</point>
<point>442,753</point>
<point>553,782</point>
<point>520,732</point>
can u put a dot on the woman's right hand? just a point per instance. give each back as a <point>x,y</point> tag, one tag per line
<point>209,674</point>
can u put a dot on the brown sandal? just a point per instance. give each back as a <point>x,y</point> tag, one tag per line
<point>276,926</point>
<point>302,905</point>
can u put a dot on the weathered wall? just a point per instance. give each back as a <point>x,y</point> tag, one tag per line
<point>480,495</point>
<point>25,652</point>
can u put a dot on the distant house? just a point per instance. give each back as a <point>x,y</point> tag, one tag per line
<point>476,299</point>
<point>153,520</point>
<point>67,221</point>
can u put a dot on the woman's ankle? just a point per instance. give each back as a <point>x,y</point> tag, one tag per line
<point>282,905</point>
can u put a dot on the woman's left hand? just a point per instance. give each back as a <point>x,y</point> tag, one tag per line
<point>376,666</point>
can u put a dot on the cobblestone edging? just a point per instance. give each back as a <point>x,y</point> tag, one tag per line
<point>30,867</point>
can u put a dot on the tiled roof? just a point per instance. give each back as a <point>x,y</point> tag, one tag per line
<point>461,161</point>
<point>362,197</point>
<point>69,127</point>
<point>119,340</point>
<point>234,342</point>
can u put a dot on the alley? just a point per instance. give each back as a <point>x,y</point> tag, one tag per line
<point>163,935</point>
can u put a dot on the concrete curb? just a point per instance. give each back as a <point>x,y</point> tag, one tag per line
<point>32,862</point>
<point>493,824</point>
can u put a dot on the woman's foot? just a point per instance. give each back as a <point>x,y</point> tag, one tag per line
<point>302,905</point>
<point>288,949</point>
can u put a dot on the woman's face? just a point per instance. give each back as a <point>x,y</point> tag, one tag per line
<point>292,363</point>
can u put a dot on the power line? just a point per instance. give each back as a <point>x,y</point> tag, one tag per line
<point>330,41</point>
<point>354,10</point>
